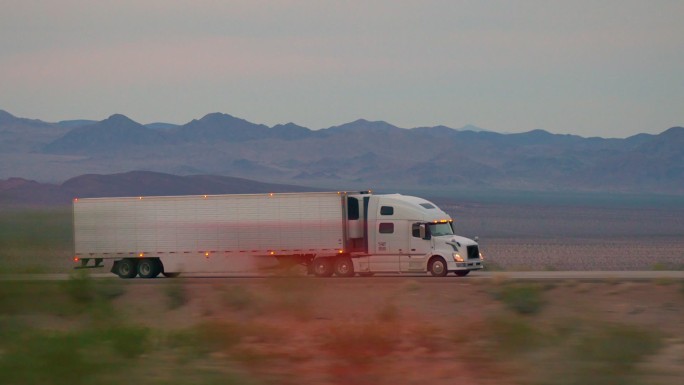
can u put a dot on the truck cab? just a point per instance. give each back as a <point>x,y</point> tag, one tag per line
<point>398,233</point>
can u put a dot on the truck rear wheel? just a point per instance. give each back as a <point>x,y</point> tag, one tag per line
<point>438,267</point>
<point>126,268</point>
<point>323,267</point>
<point>149,268</point>
<point>344,267</point>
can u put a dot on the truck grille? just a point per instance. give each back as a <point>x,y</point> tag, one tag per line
<point>473,252</point>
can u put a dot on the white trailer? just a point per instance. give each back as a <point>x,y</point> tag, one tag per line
<point>339,233</point>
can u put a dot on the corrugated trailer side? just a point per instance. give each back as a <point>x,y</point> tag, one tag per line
<point>210,233</point>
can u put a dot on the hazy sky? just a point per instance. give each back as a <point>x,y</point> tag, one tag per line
<point>593,68</point>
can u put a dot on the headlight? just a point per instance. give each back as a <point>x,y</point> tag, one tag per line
<point>481,256</point>
<point>457,257</point>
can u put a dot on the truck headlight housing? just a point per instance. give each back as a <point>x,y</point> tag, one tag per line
<point>457,257</point>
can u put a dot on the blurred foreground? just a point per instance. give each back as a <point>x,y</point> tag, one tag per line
<point>302,330</point>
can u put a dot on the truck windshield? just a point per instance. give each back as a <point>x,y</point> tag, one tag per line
<point>437,229</point>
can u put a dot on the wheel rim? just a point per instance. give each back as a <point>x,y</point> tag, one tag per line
<point>438,267</point>
<point>124,269</point>
<point>321,268</point>
<point>343,268</point>
<point>145,268</point>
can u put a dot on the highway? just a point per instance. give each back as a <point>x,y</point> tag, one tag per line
<point>474,276</point>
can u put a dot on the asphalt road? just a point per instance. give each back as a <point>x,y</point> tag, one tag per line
<point>509,275</point>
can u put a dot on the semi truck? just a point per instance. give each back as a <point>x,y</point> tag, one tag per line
<point>330,233</point>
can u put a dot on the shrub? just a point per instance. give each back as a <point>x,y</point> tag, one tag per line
<point>294,295</point>
<point>238,298</point>
<point>80,288</point>
<point>360,344</point>
<point>128,342</point>
<point>176,294</point>
<point>513,334</point>
<point>521,298</point>
<point>609,354</point>
<point>388,313</point>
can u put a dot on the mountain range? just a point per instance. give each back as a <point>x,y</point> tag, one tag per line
<point>359,154</point>
<point>24,192</point>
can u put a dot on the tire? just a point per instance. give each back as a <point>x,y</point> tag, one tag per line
<point>323,267</point>
<point>462,273</point>
<point>127,268</point>
<point>343,267</point>
<point>170,275</point>
<point>149,268</point>
<point>438,267</point>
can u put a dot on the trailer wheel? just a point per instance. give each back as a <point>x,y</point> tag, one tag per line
<point>437,267</point>
<point>149,268</point>
<point>344,267</point>
<point>323,267</point>
<point>126,268</point>
<point>462,273</point>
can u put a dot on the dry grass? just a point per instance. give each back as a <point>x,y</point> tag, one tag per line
<point>353,332</point>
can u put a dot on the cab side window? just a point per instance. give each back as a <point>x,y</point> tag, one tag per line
<point>386,228</point>
<point>386,210</point>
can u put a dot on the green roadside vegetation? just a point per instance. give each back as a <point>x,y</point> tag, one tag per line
<point>287,330</point>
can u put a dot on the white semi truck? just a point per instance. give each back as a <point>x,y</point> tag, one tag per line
<point>340,233</point>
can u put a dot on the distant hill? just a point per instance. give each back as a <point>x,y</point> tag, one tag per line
<point>115,132</point>
<point>358,154</point>
<point>23,192</point>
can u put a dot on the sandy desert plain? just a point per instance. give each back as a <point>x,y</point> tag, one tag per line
<point>289,329</point>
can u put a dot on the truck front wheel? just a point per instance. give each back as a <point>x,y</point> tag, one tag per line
<point>126,268</point>
<point>344,267</point>
<point>323,267</point>
<point>438,267</point>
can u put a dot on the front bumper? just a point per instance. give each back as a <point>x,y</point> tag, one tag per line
<point>475,264</point>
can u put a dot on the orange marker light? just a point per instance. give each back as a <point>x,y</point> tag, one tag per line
<point>140,255</point>
<point>76,259</point>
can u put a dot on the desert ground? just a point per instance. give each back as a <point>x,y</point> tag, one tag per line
<point>304,330</point>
